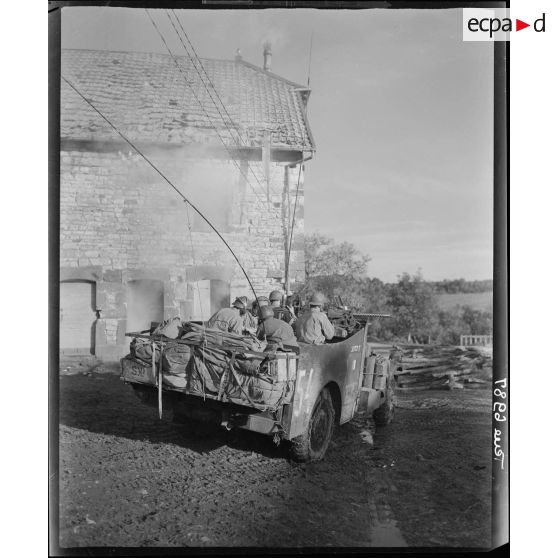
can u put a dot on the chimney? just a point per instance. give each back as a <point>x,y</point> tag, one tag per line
<point>238,56</point>
<point>267,57</point>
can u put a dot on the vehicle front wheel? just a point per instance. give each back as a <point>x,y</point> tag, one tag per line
<point>384,413</point>
<point>313,444</point>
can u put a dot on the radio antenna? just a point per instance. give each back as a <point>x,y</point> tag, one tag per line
<point>310,57</point>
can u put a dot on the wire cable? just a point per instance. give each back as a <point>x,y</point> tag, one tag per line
<point>241,144</point>
<point>288,266</point>
<point>233,159</point>
<point>148,161</point>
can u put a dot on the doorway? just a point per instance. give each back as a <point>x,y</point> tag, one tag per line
<point>77,317</point>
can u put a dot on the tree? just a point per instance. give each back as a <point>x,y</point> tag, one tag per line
<point>362,294</point>
<point>324,257</point>
<point>449,328</point>
<point>413,306</point>
<point>478,322</point>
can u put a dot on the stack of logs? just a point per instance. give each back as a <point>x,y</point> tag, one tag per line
<point>443,367</point>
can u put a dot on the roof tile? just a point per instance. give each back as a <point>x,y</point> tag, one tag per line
<point>148,98</point>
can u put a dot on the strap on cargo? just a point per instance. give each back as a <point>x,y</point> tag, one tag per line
<point>160,380</point>
<point>231,368</point>
<point>225,378</point>
<point>153,367</point>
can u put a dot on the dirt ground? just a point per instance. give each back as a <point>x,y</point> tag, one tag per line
<point>128,479</point>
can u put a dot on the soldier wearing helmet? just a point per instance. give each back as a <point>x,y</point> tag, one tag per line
<point>230,319</point>
<point>249,319</point>
<point>276,332</point>
<point>281,312</point>
<point>260,302</point>
<point>314,326</point>
<point>275,298</point>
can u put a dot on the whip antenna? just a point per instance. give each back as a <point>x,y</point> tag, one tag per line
<point>310,57</point>
<point>158,171</point>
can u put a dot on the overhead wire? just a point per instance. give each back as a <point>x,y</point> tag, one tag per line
<point>238,141</point>
<point>233,159</point>
<point>160,173</point>
<point>202,105</point>
<point>288,266</point>
<point>230,118</point>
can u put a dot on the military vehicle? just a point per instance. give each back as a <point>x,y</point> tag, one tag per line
<point>207,376</point>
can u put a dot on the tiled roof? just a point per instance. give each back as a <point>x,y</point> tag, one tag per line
<point>148,98</point>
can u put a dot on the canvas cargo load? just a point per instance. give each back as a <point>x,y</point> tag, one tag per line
<point>213,364</point>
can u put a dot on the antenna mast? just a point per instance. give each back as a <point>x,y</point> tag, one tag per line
<point>310,57</point>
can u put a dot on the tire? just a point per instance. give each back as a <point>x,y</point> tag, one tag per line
<point>313,444</point>
<point>384,414</point>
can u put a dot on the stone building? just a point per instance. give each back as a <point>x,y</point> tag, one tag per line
<point>230,136</point>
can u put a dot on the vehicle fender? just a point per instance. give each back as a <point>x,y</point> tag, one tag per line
<point>336,364</point>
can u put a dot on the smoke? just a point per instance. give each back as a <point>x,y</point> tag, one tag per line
<point>171,234</point>
<point>144,304</point>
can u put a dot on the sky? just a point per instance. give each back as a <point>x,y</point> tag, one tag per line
<point>400,110</point>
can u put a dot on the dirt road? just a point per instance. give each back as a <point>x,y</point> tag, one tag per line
<point>128,479</point>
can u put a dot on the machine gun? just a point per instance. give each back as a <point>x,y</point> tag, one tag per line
<point>342,317</point>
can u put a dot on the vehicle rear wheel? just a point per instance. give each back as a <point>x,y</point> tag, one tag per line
<point>313,444</point>
<point>384,413</point>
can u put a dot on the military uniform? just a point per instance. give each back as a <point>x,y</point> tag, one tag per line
<point>227,319</point>
<point>314,327</point>
<point>282,313</point>
<point>277,332</point>
<point>249,321</point>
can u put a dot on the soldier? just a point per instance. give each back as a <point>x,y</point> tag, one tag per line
<point>275,332</point>
<point>314,326</point>
<point>260,302</point>
<point>292,304</point>
<point>229,319</point>
<point>249,320</point>
<point>281,312</point>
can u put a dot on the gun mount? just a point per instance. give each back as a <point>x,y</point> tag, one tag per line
<point>341,316</point>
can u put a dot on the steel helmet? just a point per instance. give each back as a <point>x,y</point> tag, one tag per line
<point>240,303</point>
<point>317,299</point>
<point>275,295</point>
<point>266,312</point>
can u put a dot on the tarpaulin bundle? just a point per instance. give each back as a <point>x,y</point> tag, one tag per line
<point>142,350</point>
<point>216,337</point>
<point>210,362</point>
<point>169,328</point>
<point>209,369</point>
<point>240,378</point>
<point>175,359</point>
<point>230,367</point>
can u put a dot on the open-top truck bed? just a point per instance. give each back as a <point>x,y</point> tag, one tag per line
<point>210,377</point>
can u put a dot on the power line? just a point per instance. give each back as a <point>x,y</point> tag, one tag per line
<point>208,79</point>
<point>184,198</point>
<point>202,81</point>
<point>287,271</point>
<point>203,108</point>
<point>310,57</point>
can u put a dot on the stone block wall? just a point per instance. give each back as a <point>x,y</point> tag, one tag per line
<point>119,217</point>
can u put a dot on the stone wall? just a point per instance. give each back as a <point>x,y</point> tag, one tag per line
<point>120,221</point>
